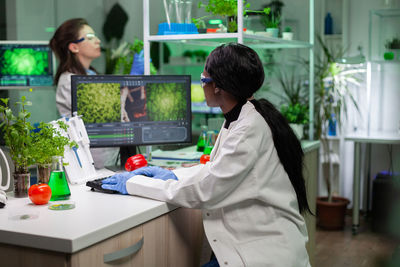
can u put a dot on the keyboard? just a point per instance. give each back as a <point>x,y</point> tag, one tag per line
<point>96,186</point>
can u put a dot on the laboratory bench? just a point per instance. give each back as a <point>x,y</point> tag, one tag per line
<point>115,229</point>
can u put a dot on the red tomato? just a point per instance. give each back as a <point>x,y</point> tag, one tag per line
<point>204,158</point>
<point>135,162</point>
<point>39,193</point>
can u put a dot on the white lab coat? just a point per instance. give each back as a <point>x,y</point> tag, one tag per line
<point>250,210</point>
<point>101,156</point>
<point>63,95</point>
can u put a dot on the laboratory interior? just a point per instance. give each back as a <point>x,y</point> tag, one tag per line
<point>71,116</point>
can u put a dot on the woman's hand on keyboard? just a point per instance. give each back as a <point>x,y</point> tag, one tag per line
<point>117,182</point>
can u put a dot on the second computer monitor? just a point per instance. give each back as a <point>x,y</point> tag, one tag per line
<point>25,64</point>
<point>133,110</point>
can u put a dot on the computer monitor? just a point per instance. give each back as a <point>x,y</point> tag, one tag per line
<point>125,110</point>
<point>25,64</point>
<point>199,104</point>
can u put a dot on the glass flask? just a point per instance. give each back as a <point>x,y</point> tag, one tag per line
<point>211,138</point>
<point>201,143</point>
<point>57,182</point>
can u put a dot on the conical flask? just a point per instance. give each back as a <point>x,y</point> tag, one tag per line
<point>201,143</point>
<point>57,182</point>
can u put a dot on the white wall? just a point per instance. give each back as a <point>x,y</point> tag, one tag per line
<point>358,33</point>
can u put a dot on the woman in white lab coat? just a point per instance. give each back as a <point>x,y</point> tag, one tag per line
<point>252,191</point>
<point>76,45</point>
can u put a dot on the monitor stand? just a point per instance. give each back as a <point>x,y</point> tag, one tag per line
<point>124,153</point>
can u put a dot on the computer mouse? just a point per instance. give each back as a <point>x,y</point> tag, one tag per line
<point>3,199</point>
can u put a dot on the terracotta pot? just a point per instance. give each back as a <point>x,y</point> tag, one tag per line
<point>21,184</point>
<point>330,215</point>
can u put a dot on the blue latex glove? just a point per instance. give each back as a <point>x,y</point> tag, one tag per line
<point>117,182</point>
<point>156,173</point>
<point>138,64</point>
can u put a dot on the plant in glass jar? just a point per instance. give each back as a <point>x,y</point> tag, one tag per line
<point>47,141</point>
<point>17,136</point>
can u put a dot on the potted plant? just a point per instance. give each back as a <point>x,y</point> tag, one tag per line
<point>393,47</point>
<point>17,136</point>
<point>228,10</point>
<point>297,116</point>
<point>287,33</point>
<point>331,86</point>
<point>272,24</point>
<point>47,142</point>
<point>294,100</point>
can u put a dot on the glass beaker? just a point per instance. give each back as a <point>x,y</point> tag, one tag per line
<point>180,11</point>
<point>57,182</point>
<point>187,11</point>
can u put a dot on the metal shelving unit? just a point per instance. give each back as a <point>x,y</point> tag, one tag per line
<point>253,40</point>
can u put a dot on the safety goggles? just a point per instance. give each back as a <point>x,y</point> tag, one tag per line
<point>204,80</point>
<point>89,36</point>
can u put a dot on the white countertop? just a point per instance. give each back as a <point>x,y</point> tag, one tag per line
<point>309,145</point>
<point>96,217</point>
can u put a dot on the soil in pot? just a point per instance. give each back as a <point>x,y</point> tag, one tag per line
<point>330,215</point>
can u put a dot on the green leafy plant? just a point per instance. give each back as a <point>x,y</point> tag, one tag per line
<point>47,141</point>
<point>294,91</point>
<point>272,21</point>
<point>295,113</point>
<point>123,57</point>
<point>287,29</point>
<point>394,43</point>
<point>17,134</point>
<point>227,9</point>
<point>199,22</point>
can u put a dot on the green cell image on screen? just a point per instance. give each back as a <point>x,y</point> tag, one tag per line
<point>99,102</point>
<point>24,61</point>
<point>166,101</point>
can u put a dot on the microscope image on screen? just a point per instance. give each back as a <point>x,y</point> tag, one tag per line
<point>166,101</point>
<point>99,102</point>
<point>24,64</point>
<point>24,61</point>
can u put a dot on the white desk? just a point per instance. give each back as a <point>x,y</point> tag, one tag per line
<point>96,217</point>
<point>102,224</point>
<point>358,138</point>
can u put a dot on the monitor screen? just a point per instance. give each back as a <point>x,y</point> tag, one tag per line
<point>125,110</point>
<point>199,104</point>
<point>26,64</point>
